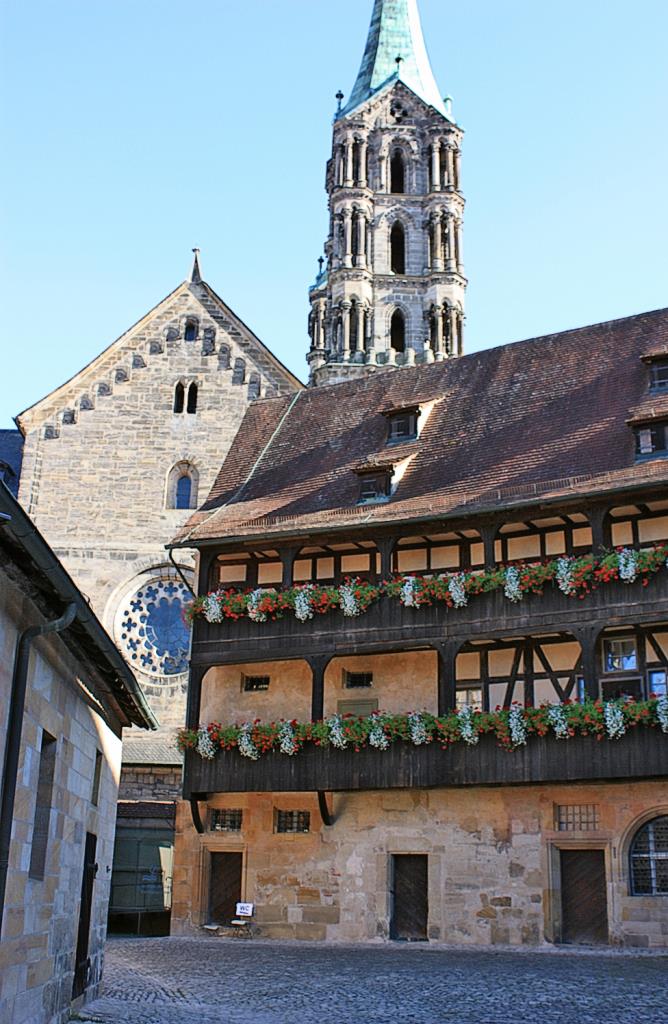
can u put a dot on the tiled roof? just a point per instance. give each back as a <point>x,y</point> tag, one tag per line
<point>534,419</point>
<point>137,750</point>
<point>11,455</point>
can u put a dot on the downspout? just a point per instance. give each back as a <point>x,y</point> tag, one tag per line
<point>13,737</point>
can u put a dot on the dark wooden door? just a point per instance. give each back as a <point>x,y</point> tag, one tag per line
<point>584,904</point>
<point>410,905</point>
<point>82,962</point>
<point>224,887</point>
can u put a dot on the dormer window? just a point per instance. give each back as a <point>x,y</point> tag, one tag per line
<point>651,440</point>
<point>402,426</point>
<point>374,486</point>
<point>658,375</point>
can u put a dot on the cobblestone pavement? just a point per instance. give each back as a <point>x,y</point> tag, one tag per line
<point>218,981</point>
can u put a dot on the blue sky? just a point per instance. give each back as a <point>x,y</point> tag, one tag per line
<point>136,129</point>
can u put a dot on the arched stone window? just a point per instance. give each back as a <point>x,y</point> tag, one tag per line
<point>648,859</point>
<point>397,172</point>
<point>398,249</point>
<point>239,372</point>
<point>224,357</point>
<point>254,386</point>
<point>192,399</point>
<point>398,331</point>
<point>191,329</point>
<point>182,483</point>
<point>179,397</point>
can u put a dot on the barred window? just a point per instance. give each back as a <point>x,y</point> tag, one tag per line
<point>293,821</point>
<point>226,820</point>
<point>357,680</point>
<point>251,684</point>
<point>576,817</point>
<point>649,859</point>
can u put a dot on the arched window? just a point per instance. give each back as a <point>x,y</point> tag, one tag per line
<point>398,331</point>
<point>239,372</point>
<point>182,484</point>
<point>190,333</point>
<point>648,857</point>
<point>179,397</point>
<point>397,249</point>
<point>254,382</point>
<point>192,399</point>
<point>184,487</point>
<point>397,172</point>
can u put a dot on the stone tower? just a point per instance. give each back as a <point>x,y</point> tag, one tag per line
<point>392,291</point>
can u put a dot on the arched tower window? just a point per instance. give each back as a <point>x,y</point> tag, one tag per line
<point>397,172</point>
<point>398,249</point>
<point>182,483</point>
<point>179,397</point>
<point>648,859</point>
<point>190,333</point>
<point>192,399</point>
<point>398,331</point>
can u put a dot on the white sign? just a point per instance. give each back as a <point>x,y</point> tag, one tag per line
<point>245,909</point>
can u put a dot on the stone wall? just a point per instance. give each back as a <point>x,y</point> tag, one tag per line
<point>150,782</point>
<point>41,915</point>
<point>492,873</point>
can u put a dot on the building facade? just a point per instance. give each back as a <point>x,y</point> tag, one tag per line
<point>428,682</point>
<point>392,291</point>
<point>65,695</point>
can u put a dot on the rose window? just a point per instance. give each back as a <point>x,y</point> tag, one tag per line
<point>151,628</point>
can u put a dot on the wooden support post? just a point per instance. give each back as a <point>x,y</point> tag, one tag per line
<point>600,530</point>
<point>196,675</point>
<point>288,556</point>
<point>587,636</point>
<point>488,534</point>
<point>528,673</point>
<point>386,549</point>
<point>325,813</point>
<point>318,665</point>
<point>207,559</point>
<point>447,676</point>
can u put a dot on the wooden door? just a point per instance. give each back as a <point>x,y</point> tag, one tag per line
<point>584,905</point>
<point>82,961</point>
<point>224,887</point>
<point>410,905</point>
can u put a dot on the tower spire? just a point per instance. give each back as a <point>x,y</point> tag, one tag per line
<point>395,32</point>
<point>195,273</point>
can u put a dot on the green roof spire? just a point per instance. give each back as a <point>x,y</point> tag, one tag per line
<point>395,32</point>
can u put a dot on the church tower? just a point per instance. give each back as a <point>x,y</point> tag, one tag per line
<point>392,291</point>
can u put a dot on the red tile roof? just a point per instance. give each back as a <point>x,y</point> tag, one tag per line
<point>533,419</point>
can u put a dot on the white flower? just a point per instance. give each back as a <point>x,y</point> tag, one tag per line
<point>456,588</point>
<point>377,737</point>
<point>245,742</point>
<point>205,747</point>
<point>349,605</point>
<point>565,576</point>
<point>303,609</point>
<point>337,736</point>
<point>512,584</point>
<point>614,720</point>
<point>252,608</point>
<point>556,714</point>
<point>628,565</point>
<point>213,610</point>
<point>286,735</point>
<point>417,729</point>
<point>516,724</point>
<point>408,596</point>
<point>466,728</point>
<point>662,712</point>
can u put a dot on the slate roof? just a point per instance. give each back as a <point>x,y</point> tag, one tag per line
<point>11,456</point>
<point>532,420</point>
<point>150,751</point>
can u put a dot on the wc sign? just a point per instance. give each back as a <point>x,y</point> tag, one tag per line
<point>245,909</point>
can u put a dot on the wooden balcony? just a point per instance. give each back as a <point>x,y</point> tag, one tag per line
<point>387,625</point>
<point>642,753</point>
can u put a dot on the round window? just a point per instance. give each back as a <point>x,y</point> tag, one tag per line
<point>151,629</point>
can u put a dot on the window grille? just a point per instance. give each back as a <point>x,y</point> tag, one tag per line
<point>252,684</point>
<point>649,859</point>
<point>225,820</point>
<point>293,821</point>
<point>576,817</point>
<point>357,680</point>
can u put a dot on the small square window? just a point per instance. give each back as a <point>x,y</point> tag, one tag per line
<point>293,821</point>
<point>374,486</point>
<point>357,680</point>
<point>656,679</point>
<point>402,426</point>
<point>620,655</point>
<point>651,439</point>
<point>225,820</point>
<point>255,684</point>
<point>658,375</point>
<point>576,817</point>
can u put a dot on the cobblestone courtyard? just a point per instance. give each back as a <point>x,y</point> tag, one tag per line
<point>214,981</point>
